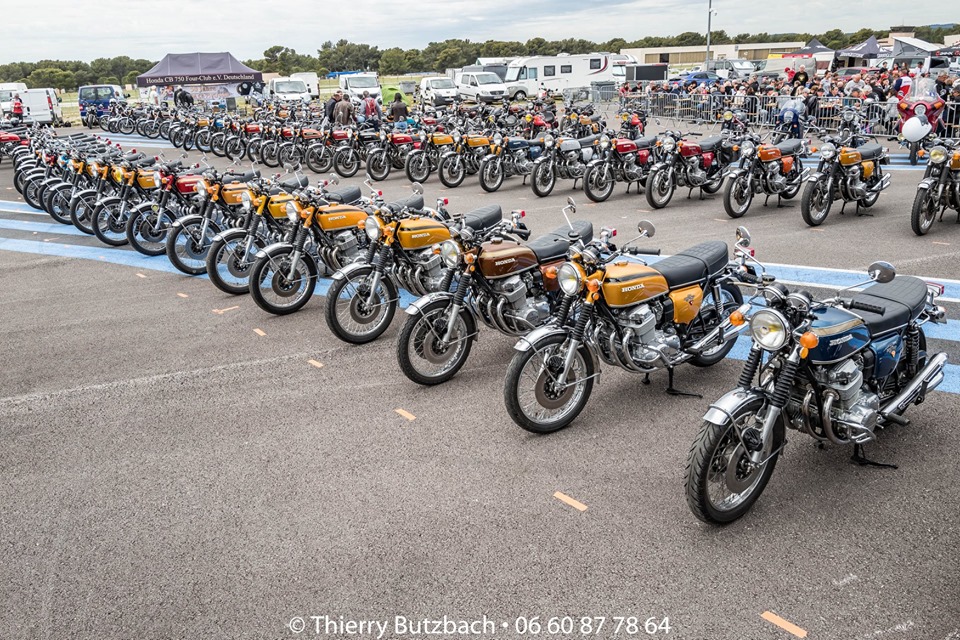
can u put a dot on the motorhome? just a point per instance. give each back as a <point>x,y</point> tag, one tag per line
<point>288,89</point>
<point>557,73</point>
<point>354,84</point>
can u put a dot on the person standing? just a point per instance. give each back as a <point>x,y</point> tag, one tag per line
<point>801,76</point>
<point>343,113</point>
<point>17,108</point>
<point>399,112</point>
<point>154,97</point>
<point>331,104</point>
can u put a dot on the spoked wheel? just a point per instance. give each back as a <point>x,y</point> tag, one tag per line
<point>319,159</point>
<point>659,189</point>
<point>126,126</point>
<point>598,182</point>
<point>417,167</point>
<point>356,312</point>
<point>147,231</point>
<point>202,140</point>
<point>187,247</point>
<point>269,154</point>
<point>234,147</point>
<point>278,291</point>
<point>491,174</point>
<point>534,399</point>
<point>58,203</point>
<point>722,481</point>
<point>543,180</point>
<point>218,144</point>
<point>31,192</point>
<point>815,203</point>
<point>737,196</point>
<point>378,166</point>
<point>290,154</point>
<point>423,355</point>
<point>346,162</point>
<point>924,212</point>
<point>81,212</point>
<point>452,171</point>
<point>110,222</point>
<point>706,321</point>
<point>229,265</point>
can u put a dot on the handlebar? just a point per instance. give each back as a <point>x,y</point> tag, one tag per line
<point>641,251</point>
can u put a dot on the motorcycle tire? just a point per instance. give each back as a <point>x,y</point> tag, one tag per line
<point>58,203</point>
<point>914,153</point>
<point>737,197</point>
<point>924,212</point>
<point>187,251</point>
<point>268,153</point>
<point>491,174</point>
<point>597,187</point>
<point>142,235</point>
<point>378,165</point>
<point>31,191</point>
<point>126,126</point>
<point>659,188</point>
<point>226,270</point>
<point>515,375</point>
<point>234,148</point>
<point>346,162</point>
<point>356,309</point>
<point>417,167</point>
<point>543,180</point>
<point>452,171</point>
<point>253,149</point>
<point>269,284</point>
<point>813,196</point>
<point>418,346</point>
<point>81,212</point>
<point>108,224</point>
<point>319,159</point>
<point>733,298</point>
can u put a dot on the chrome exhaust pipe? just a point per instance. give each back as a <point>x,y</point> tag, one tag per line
<point>830,396</point>
<point>927,380</point>
<point>712,339</point>
<point>883,184</point>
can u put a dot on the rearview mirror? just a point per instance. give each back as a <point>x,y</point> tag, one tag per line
<point>881,272</point>
<point>743,237</point>
<point>333,179</point>
<point>645,226</point>
<point>417,188</point>
<point>571,204</point>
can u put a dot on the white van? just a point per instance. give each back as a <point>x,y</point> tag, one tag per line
<point>42,106</point>
<point>311,80</point>
<point>481,86</point>
<point>564,71</point>
<point>7,91</point>
<point>288,89</point>
<point>354,84</point>
<point>437,90</point>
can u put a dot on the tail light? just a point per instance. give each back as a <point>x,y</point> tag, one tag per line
<point>523,213</point>
<point>936,287</point>
<point>446,201</point>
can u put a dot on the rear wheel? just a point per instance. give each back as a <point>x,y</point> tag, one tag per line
<point>924,212</point>
<point>815,203</point>
<point>713,185</point>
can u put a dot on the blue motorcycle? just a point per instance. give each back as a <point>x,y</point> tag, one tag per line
<point>790,120</point>
<point>837,370</point>
<point>510,156</point>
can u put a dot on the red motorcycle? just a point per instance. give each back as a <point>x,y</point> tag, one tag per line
<point>920,113</point>
<point>684,163</point>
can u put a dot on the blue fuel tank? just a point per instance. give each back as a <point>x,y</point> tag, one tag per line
<point>841,334</point>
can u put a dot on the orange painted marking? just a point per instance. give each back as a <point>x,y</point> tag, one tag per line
<point>406,414</point>
<point>223,311</point>
<point>183,295</point>
<point>260,332</point>
<point>576,504</point>
<point>786,625</point>
<point>318,365</point>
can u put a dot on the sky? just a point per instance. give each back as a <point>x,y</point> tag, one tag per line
<point>61,29</point>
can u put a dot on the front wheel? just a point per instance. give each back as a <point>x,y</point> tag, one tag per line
<point>187,247</point>
<point>58,203</point>
<point>491,174</point>
<point>346,162</point>
<point>109,222</point>
<point>543,180</point>
<point>147,230</point>
<point>737,196</point>
<point>359,311</point>
<point>229,263</point>
<point>660,188</point>
<point>417,166</point>
<point>378,165</point>
<point>279,287</point>
<point>924,212</point>
<point>914,153</point>
<point>319,159</point>
<point>81,211</point>
<point>722,481</point>
<point>452,171</point>
<point>816,202</point>
<point>534,399</point>
<point>598,182</point>
<point>423,355</point>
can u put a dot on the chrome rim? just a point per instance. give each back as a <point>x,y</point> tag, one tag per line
<point>353,313</point>
<point>280,291</point>
<point>539,399</point>
<point>731,479</point>
<point>432,358</point>
<point>191,248</point>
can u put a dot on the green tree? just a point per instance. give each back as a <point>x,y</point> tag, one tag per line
<point>52,78</point>
<point>393,62</point>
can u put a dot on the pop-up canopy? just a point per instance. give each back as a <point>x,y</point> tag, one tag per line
<point>813,47</point>
<point>198,68</point>
<point>869,48</point>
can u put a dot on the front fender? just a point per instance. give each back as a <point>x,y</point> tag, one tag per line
<point>230,234</point>
<point>815,176</point>
<point>736,173</point>
<point>725,410</point>
<point>527,342</point>
<point>595,162</point>
<point>273,249</point>
<point>185,220</point>
<point>928,183</point>
<point>348,270</point>
<point>422,302</point>
<point>447,154</point>
<point>658,166</point>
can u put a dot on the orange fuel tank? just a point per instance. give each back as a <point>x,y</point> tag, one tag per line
<point>277,205</point>
<point>337,217</point>
<point>420,233</point>
<point>849,156</point>
<point>686,303</point>
<point>626,283</point>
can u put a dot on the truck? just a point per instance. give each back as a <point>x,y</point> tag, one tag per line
<point>287,89</point>
<point>355,84</point>
<point>42,106</point>
<point>7,91</point>
<point>557,73</point>
<point>311,80</point>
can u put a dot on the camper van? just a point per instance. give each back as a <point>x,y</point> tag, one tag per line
<point>354,84</point>
<point>556,73</point>
<point>288,89</point>
<point>481,86</point>
<point>7,91</point>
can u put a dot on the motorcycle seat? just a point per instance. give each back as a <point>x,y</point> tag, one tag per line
<point>895,303</point>
<point>414,201</point>
<point>693,265</point>
<point>343,195</point>
<point>144,163</point>
<point>711,144</point>
<point>646,143</point>
<point>790,147</point>
<point>870,151</point>
<point>588,141</point>
<point>290,184</point>
<point>484,217</point>
<point>554,245</point>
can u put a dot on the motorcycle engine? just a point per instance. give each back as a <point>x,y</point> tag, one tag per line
<point>855,187</point>
<point>642,340</point>
<point>522,161</point>
<point>519,306</point>
<point>347,246</point>
<point>776,181</point>
<point>856,409</point>
<point>695,175</point>
<point>575,168</point>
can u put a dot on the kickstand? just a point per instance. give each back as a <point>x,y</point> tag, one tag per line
<point>646,378</point>
<point>671,391</point>
<point>690,193</point>
<point>864,213</point>
<point>766,200</point>
<point>859,458</point>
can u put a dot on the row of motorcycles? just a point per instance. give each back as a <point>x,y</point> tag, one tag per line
<point>837,369</point>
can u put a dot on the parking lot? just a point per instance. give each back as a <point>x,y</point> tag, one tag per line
<point>176,463</point>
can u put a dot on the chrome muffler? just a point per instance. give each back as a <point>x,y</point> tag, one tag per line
<point>927,380</point>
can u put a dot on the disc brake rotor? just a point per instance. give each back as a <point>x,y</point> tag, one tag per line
<point>360,312</point>
<point>547,395</point>
<point>737,478</point>
<point>282,286</point>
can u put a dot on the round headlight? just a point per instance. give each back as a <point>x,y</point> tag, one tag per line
<point>827,151</point>
<point>938,154</point>
<point>450,252</point>
<point>245,200</point>
<point>457,136</point>
<point>668,144</point>
<point>371,226</point>
<point>498,139</point>
<point>788,116</point>
<point>728,115</point>
<point>156,178</point>
<point>201,189</point>
<point>383,134</point>
<point>848,115</point>
<point>748,149</point>
<point>568,276</point>
<point>920,110</point>
<point>624,116</point>
<point>604,141</point>
<point>548,140</point>
<point>292,212</point>
<point>422,135</point>
<point>769,329</point>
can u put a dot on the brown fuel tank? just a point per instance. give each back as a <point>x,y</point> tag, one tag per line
<point>420,233</point>
<point>502,259</point>
<point>626,283</point>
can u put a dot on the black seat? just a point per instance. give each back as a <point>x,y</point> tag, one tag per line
<point>646,143</point>
<point>790,147</point>
<point>870,151</point>
<point>694,265</point>
<point>343,195</point>
<point>413,201</point>
<point>711,144</point>
<point>292,184</point>
<point>892,305</point>
<point>555,244</point>
<point>588,141</point>
<point>484,217</point>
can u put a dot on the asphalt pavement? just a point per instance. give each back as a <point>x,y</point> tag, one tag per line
<point>176,463</point>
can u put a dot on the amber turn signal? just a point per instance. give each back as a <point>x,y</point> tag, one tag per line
<point>809,340</point>
<point>550,272</point>
<point>469,258</point>
<point>593,285</point>
<point>804,352</point>
<point>737,319</point>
